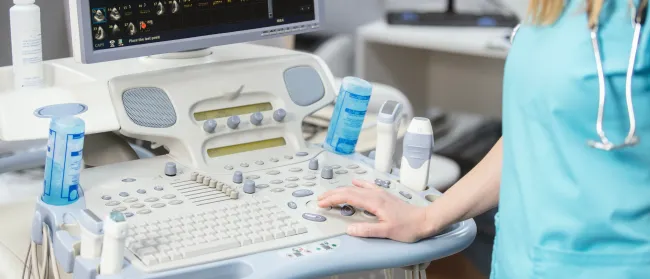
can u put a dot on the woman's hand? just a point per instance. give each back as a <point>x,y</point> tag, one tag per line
<point>397,220</point>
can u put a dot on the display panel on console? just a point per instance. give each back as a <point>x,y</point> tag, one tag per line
<point>245,147</point>
<point>227,112</point>
<point>123,23</point>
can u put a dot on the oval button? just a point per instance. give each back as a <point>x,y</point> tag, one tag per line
<point>276,181</point>
<point>293,178</point>
<point>119,209</point>
<point>130,200</point>
<point>314,217</point>
<point>106,197</point>
<point>302,193</point>
<point>144,211</point>
<point>292,205</point>
<point>112,203</point>
<point>169,197</point>
<point>151,200</point>
<point>175,202</point>
<point>124,194</point>
<point>277,190</point>
<point>137,205</point>
<point>261,186</point>
<point>291,185</point>
<point>309,184</point>
<point>273,172</point>
<point>158,205</point>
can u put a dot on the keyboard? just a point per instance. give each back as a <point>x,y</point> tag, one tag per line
<point>241,208</point>
<point>226,227</point>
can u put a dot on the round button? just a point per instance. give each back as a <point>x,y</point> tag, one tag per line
<point>144,211</point>
<point>158,205</point>
<point>276,181</point>
<point>336,167</point>
<point>293,178</point>
<point>128,214</point>
<point>175,202</point>
<point>130,200</point>
<point>309,184</point>
<point>209,126</point>
<point>291,185</point>
<point>168,197</point>
<point>274,160</point>
<point>142,191</point>
<point>127,180</point>
<point>112,203</point>
<point>288,157</point>
<point>229,167</point>
<point>124,194</point>
<point>273,172</point>
<point>261,186</point>
<point>244,165</point>
<point>353,167</point>
<point>295,169</point>
<point>309,177</point>
<point>277,190</point>
<point>361,172</point>
<point>257,118</point>
<point>252,177</point>
<point>279,115</point>
<point>119,209</point>
<point>233,122</point>
<point>341,171</point>
<point>301,154</point>
<point>259,163</point>
<point>151,199</point>
<point>170,169</point>
<point>106,198</point>
<point>137,205</point>
<point>158,188</point>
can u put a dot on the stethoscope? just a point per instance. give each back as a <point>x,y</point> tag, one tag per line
<point>631,139</point>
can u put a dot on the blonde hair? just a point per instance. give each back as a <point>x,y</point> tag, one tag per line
<point>546,12</point>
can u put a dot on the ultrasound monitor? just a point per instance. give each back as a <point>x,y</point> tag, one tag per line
<point>105,30</point>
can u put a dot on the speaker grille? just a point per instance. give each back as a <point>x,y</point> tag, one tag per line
<point>149,107</point>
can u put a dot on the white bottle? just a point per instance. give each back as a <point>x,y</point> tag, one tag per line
<point>26,44</point>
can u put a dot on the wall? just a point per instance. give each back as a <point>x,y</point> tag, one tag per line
<point>55,38</point>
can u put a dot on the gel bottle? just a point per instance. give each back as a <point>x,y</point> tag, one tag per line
<point>348,116</point>
<point>26,44</point>
<point>63,163</point>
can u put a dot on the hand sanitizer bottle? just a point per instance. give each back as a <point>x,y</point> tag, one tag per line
<point>26,44</point>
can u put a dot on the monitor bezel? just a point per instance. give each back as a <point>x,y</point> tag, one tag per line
<point>89,55</point>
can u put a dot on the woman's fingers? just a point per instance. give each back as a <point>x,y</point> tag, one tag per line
<point>378,230</point>
<point>354,198</point>
<point>363,184</point>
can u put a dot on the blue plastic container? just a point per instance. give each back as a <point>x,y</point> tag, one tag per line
<point>64,161</point>
<point>349,113</point>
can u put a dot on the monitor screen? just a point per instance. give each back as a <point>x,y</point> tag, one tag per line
<point>122,23</point>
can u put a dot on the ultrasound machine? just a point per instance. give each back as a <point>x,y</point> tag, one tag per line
<point>236,195</point>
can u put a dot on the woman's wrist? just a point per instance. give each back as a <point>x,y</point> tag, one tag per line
<point>430,223</point>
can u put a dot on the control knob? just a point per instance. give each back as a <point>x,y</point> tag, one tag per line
<point>170,169</point>
<point>233,122</point>
<point>209,126</point>
<point>249,187</point>
<point>327,173</point>
<point>279,115</point>
<point>256,118</point>
<point>313,164</point>
<point>238,177</point>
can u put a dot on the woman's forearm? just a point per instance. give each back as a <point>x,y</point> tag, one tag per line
<point>475,193</point>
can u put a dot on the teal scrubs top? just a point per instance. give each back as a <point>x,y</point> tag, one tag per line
<point>567,210</point>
